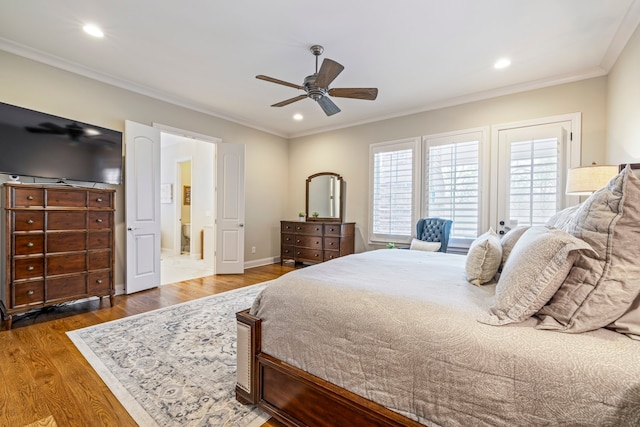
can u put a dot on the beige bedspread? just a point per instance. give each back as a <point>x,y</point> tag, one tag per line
<point>399,327</point>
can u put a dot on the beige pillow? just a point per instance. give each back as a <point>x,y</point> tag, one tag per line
<point>601,285</point>
<point>509,240</point>
<point>484,258</point>
<point>563,218</point>
<point>539,263</point>
<point>421,245</point>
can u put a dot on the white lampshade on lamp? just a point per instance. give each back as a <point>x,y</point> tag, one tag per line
<point>585,180</point>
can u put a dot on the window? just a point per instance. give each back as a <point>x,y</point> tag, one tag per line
<point>393,181</point>
<point>452,184</point>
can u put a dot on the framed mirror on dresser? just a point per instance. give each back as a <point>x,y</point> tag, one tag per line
<point>323,236</point>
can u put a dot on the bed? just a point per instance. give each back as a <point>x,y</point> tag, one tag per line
<point>401,337</point>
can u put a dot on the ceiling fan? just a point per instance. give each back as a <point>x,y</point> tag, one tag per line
<point>317,88</point>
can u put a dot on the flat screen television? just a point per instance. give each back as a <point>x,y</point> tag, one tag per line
<point>41,145</point>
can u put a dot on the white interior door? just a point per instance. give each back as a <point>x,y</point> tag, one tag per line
<point>229,254</point>
<point>142,210</point>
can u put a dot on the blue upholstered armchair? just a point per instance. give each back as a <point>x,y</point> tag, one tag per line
<point>434,230</point>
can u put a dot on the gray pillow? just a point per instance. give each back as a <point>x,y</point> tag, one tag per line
<point>484,258</point>
<point>602,285</point>
<point>509,240</point>
<point>537,266</point>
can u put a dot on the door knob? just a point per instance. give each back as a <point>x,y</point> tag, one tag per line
<point>241,225</point>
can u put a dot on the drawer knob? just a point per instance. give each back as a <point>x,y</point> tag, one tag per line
<point>30,268</point>
<point>99,220</point>
<point>30,221</point>
<point>316,255</point>
<point>30,244</point>
<point>99,281</point>
<point>331,244</point>
<point>99,199</point>
<point>29,197</point>
<point>30,292</point>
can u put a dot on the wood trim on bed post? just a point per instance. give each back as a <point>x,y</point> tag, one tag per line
<point>248,346</point>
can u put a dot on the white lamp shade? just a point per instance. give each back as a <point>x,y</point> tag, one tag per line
<point>585,180</point>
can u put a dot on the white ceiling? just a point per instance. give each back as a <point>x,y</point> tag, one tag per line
<point>420,54</point>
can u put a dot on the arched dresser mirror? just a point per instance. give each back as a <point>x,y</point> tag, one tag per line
<point>325,197</point>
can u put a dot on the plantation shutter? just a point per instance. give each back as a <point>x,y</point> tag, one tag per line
<point>392,193</point>
<point>533,187</point>
<point>453,182</point>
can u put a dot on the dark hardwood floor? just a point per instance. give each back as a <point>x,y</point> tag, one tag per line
<point>43,374</point>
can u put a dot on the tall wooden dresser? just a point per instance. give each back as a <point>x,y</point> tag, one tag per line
<point>58,246</point>
<point>315,241</point>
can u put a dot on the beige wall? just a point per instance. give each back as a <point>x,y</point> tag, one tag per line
<point>623,105</point>
<point>346,151</point>
<point>40,87</point>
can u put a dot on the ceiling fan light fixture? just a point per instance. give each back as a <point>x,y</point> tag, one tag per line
<point>298,117</point>
<point>93,30</point>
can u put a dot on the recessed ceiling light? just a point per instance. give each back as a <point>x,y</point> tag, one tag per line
<point>298,116</point>
<point>502,63</point>
<point>93,30</point>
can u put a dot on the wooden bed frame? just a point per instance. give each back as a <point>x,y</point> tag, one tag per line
<point>295,397</point>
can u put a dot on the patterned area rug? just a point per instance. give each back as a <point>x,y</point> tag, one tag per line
<point>175,366</point>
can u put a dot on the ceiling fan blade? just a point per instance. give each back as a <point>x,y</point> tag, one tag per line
<point>328,106</point>
<point>280,82</point>
<point>370,93</point>
<point>289,101</point>
<point>328,72</point>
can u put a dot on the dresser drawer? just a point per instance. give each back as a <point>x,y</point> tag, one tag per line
<point>66,242</point>
<point>25,293</point>
<point>313,242</point>
<point>329,255</point>
<point>99,239</point>
<point>66,220</point>
<point>99,199</point>
<point>287,227</point>
<point>99,260</point>
<point>308,228</point>
<point>332,229</point>
<point>310,255</point>
<point>99,282</point>
<point>332,243</point>
<point>99,220</point>
<point>28,268</point>
<point>66,198</point>
<point>27,197</point>
<point>287,252</point>
<point>28,220</point>
<point>67,263</point>
<point>287,239</point>
<point>28,244</point>
<point>67,287</point>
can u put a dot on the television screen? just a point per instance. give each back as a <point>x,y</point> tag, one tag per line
<point>41,145</point>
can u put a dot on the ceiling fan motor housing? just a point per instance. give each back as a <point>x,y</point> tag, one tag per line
<point>313,90</point>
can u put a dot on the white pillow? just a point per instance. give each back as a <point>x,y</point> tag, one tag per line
<point>421,245</point>
<point>538,264</point>
<point>484,258</point>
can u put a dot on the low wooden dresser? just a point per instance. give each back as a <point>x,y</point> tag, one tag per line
<point>315,241</point>
<point>58,244</point>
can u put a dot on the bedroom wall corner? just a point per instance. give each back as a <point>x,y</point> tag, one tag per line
<point>623,105</point>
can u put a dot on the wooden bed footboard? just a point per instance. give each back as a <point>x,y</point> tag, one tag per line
<point>295,397</point>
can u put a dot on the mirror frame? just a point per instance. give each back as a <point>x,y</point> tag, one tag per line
<point>342,198</point>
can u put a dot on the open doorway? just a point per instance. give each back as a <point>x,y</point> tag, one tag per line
<point>187,207</point>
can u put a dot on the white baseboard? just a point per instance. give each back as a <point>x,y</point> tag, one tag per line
<point>261,262</point>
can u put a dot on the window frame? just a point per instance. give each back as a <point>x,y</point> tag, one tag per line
<point>413,144</point>
<point>481,134</point>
